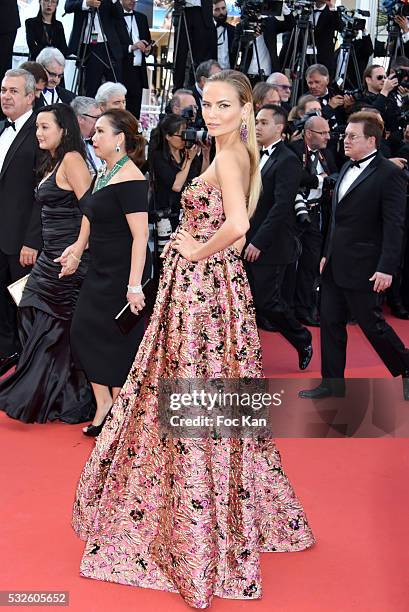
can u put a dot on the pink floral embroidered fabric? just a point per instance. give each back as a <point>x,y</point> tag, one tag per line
<point>189,515</point>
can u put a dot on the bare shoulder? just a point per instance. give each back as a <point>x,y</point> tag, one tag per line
<point>73,157</point>
<point>232,164</point>
<point>130,172</point>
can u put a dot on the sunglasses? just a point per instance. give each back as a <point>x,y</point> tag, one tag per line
<point>91,116</point>
<point>380,77</point>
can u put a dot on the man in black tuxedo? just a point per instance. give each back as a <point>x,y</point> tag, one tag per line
<point>95,22</point>
<point>53,62</point>
<point>133,30</point>
<point>225,35</point>
<point>202,36</point>
<point>318,163</point>
<point>327,21</point>
<point>361,255</point>
<point>9,24</point>
<point>266,42</point>
<point>271,240</point>
<point>20,227</point>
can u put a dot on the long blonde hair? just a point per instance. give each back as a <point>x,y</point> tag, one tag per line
<point>241,84</point>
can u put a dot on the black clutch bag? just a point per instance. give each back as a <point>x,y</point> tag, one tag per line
<point>126,319</point>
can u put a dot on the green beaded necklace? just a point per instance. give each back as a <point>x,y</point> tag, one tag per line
<point>104,177</point>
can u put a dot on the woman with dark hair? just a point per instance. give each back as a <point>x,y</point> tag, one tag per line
<point>45,31</point>
<point>116,226</point>
<point>46,385</point>
<point>172,166</point>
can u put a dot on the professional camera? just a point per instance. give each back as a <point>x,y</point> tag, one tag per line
<point>253,12</point>
<point>301,8</point>
<point>351,23</point>
<point>192,135</point>
<point>396,8</point>
<point>402,76</point>
<point>301,210</point>
<point>298,124</point>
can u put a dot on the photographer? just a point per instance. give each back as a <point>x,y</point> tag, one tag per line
<point>306,104</point>
<point>327,21</point>
<point>318,163</point>
<point>377,93</point>
<point>265,38</point>
<point>317,78</point>
<point>172,165</point>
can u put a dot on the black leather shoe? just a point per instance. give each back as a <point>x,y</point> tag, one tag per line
<point>94,430</point>
<point>304,356</point>
<point>405,385</point>
<point>322,391</point>
<point>8,362</point>
<point>399,311</point>
<point>309,320</point>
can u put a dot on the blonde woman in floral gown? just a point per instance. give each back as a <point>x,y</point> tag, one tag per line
<point>193,515</point>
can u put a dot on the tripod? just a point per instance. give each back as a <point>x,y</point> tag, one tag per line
<point>178,21</point>
<point>247,39</point>
<point>301,38</point>
<point>346,52</point>
<point>85,51</point>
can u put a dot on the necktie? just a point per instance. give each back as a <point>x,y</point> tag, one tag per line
<point>357,164</point>
<point>9,123</point>
<point>88,141</point>
<point>314,158</point>
<point>264,152</point>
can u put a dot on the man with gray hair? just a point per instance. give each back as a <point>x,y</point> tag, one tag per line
<point>53,62</point>
<point>20,227</point>
<point>279,80</point>
<point>111,95</point>
<point>87,112</point>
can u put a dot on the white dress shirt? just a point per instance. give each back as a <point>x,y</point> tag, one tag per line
<point>51,97</point>
<point>264,158</point>
<point>316,193</point>
<point>133,30</point>
<point>8,135</point>
<point>222,47</point>
<point>93,162</point>
<point>351,175</point>
<point>263,56</point>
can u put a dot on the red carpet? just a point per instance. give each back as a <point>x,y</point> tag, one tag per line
<point>355,492</point>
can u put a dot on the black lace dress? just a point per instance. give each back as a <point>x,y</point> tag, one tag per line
<point>46,385</point>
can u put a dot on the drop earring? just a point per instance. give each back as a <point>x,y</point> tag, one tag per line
<point>244,133</point>
<point>117,148</point>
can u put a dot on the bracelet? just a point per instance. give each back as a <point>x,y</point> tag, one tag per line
<point>135,289</point>
<point>74,257</point>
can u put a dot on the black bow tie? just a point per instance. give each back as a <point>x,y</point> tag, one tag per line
<point>357,164</point>
<point>9,123</point>
<point>128,14</point>
<point>267,152</point>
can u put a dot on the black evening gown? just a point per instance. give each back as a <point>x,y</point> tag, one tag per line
<point>105,354</point>
<point>46,385</point>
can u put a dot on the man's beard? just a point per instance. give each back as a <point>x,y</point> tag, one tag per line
<point>221,20</point>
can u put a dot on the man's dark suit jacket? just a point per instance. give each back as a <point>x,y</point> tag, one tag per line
<point>20,214</point>
<point>273,225</point>
<point>328,23</point>
<point>271,28</point>
<point>108,14</point>
<point>126,40</point>
<point>37,40</point>
<point>10,20</point>
<point>309,179</point>
<point>231,33</point>
<point>367,225</point>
